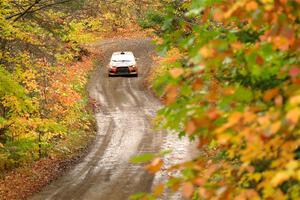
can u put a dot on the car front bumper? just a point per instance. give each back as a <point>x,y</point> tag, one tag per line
<point>123,71</point>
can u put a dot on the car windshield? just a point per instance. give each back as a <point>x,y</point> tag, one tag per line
<point>123,58</point>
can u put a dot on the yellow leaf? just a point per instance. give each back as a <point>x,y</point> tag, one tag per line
<point>280,178</point>
<point>295,100</point>
<point>233,8</point>
<point>275,127</point>
<point>292,165</point>
<point>293,115</point>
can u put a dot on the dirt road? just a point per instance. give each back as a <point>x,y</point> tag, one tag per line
<point>124,130</point>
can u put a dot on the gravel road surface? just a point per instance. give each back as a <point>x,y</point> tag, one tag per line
<point>124,130</point>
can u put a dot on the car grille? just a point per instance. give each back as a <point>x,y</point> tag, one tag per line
<point>122,70</point>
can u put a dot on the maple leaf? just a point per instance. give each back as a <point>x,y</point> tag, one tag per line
<point>252,5</point>
<point>158,190</point>
<point>155,165</point>
<point>176,72</point>
<point>270,94</point>
<point>293,115</point>
<point>187,189</point>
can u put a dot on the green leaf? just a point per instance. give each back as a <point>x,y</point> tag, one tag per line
<point>243,94</point>
<point>138,196</point>
<point>142,158</point>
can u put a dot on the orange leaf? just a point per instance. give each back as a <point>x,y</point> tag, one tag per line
<point>235,118</point>
<point>293,72</point>
<point>171,94</point>
<point>202,122</point>
<point>249,117</point>
<point>199,181</point>
<point>228,91</point>
<point>218,16</point>
<point>213,115</point>
<point>259,60</point>
<point>237,45</point>
<point>158,190</point>
<point>187,189</point>
<point>206,52</point>
<point>204,193</point>
<point>175,185</point>
<point>155,165</point>
<point>223,138</point>
<point>197,84</point>
<point>275,127</point>
<point>203,141</point>
<point>190,127</point>
<point>176,72</point>
<point>252,5</point>
<point>281,43</point>
<point>279,100</point>
<point>270,94</point>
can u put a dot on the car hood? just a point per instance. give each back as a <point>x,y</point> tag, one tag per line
<point>122,64</point>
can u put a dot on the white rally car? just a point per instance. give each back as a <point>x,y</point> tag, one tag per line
<point>122,63</point>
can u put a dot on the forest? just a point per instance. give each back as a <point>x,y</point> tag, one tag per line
<point>42,101</point>
<point>228,75</point>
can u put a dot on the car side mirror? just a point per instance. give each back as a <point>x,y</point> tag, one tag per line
<point>137,59</point>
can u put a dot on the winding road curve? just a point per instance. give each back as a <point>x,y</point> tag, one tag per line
<point>124,130</point>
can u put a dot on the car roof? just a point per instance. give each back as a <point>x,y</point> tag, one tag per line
<point>122,55</point>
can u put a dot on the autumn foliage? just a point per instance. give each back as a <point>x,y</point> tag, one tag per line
<point>232,84</point>
<point>43,102</point>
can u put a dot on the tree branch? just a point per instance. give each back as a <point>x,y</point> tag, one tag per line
<point>49,5</point>
<point>29,10</point>
<point>25,11</point>
<point>5,127</point>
